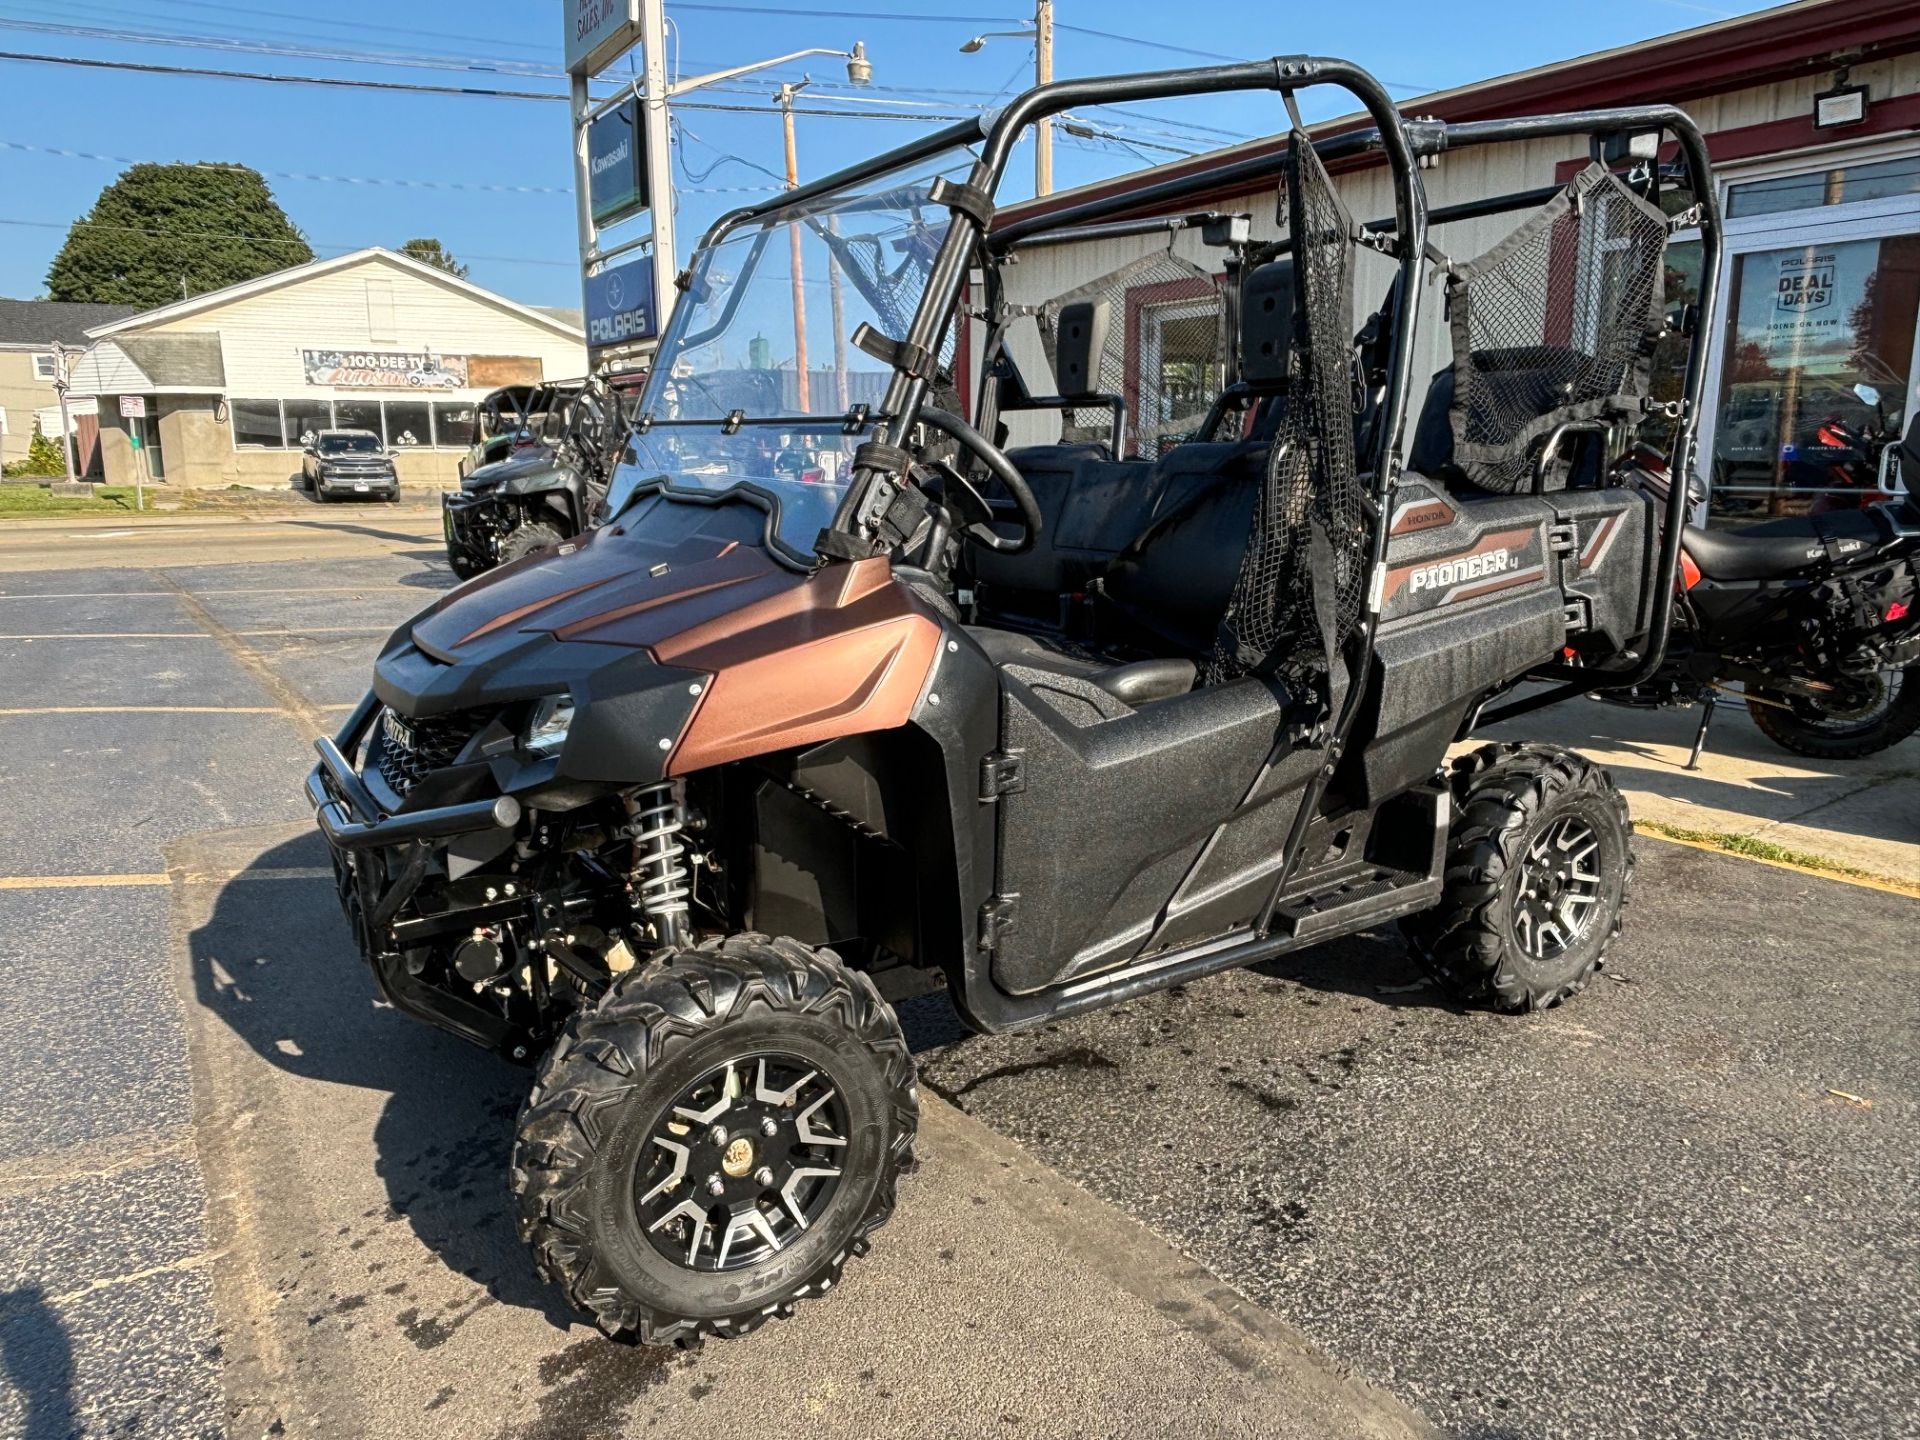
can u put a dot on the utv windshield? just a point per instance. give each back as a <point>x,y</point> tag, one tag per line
<point>758,368</point>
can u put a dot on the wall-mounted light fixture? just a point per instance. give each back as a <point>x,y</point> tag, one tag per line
<point>1843,105</point>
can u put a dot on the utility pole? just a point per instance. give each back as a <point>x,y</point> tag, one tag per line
<point>1043,75</point>
<point>60,386</point>
<point>1042,37</point>
<point>784,98</point>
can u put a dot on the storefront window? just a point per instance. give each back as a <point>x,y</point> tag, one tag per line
<point>257,422</point>
<point>1817,372</point>
<point>1843,185</point>
<point>357,415</point>
<point>454,424</point>
<point>408,424</point>
<point>306,419</point>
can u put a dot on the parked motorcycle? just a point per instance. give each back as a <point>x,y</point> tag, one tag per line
<point>1816,617</point>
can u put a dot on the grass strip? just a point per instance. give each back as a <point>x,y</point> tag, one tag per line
<point>1768,853</point>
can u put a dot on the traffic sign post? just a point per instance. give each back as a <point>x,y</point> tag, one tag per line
<point>134,407</point>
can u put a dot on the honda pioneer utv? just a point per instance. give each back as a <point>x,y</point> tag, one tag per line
<point>844,691</point>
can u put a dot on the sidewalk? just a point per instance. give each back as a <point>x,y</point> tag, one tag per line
<point>369,1281</point>
<point>1861,814</point>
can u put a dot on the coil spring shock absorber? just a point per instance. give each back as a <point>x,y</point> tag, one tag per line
<point>660,874</point>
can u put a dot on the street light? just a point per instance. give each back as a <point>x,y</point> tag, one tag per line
<point>859,69</point>
<point>1042,37</point>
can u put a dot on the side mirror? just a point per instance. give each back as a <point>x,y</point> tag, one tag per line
<point>1867,394</point>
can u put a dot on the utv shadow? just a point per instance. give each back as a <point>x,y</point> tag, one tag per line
<point>446,1125</point>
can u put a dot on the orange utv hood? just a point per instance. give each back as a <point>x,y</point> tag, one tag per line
<point>790,659</point>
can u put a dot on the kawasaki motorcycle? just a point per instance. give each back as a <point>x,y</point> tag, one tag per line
<point>1816,617</point>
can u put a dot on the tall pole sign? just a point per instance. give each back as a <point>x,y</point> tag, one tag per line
<point>621,172</point>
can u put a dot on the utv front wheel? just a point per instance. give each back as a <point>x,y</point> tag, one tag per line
<point>709,1143</point>
<point>526,538</point>
<point>1538,865</point>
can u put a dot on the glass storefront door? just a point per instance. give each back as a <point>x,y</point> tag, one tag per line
<point>1815,370</point>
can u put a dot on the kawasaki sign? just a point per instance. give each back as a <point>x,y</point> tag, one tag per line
<point>616,164</point>
<point>620,307</point>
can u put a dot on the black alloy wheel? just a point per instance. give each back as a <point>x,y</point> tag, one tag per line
<point>1539,861</point>
<point>745,1160</point>
<point>713,1139</point>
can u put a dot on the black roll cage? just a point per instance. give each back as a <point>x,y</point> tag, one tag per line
<point>1430,138</point>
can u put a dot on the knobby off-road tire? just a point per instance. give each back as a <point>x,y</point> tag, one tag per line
<point>462,566</point>
<point>1836,740</point>
<point>526,538</point>
<point>610,1089</point>
<point>1514,806</point>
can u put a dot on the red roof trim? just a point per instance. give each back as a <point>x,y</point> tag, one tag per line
<point>1795,132</point>
<point>1774,45</point>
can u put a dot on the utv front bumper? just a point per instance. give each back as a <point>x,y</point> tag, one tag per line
<point>351,819</point>
<point>379,861</point>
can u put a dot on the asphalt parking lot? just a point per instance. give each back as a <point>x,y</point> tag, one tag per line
<point>238,1196</point>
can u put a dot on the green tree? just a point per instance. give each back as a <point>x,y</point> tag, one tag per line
<point>161,232</point>
<point>43,458</point>
<point>431,252</point>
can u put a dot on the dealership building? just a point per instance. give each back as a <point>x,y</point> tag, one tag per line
<point>1811,114</point>
<point>227,388</point>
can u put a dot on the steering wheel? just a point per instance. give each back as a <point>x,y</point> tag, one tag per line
<point>1003,470</point>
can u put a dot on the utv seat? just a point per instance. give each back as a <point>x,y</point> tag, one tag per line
<point>1138,682</point>
<point>1782,547</point>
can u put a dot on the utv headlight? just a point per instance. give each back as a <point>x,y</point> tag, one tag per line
<point>548,725</point>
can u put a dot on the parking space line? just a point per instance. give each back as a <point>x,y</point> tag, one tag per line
<point>113,635</point>
<point>302,711</point>
<point>155,594</point>
<point>146,710</point>
<point>201,635</point>
<point>155,879</point>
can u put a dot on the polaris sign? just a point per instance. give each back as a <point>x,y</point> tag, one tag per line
<point>620,309</point>
<point>616,165</point>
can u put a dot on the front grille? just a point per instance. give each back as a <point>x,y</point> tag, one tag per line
<point>410,750</point>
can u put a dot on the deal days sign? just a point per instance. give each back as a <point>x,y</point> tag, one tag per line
<point>385,369</point>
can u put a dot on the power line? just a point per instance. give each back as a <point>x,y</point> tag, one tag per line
<point>266,240</point>
<point>408,184</point>
<point>408,87</point>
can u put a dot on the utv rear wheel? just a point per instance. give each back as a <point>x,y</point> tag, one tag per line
<point>523,540</point>
<point>711,1142</point>
<point>1865,715</point>
<point>1539,861</point>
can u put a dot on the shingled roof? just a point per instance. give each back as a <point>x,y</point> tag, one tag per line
<point>41,322</point>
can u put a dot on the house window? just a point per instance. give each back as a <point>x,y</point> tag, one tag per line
<point>44,368</point>
<point>306,419</point>
<point>257,422</point>
<point>409,424</point>
<point>357,415</point>
<point>454,423</point>
<point>1838,185</point>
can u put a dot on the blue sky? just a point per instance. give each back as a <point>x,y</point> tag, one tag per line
<point>521,240</point>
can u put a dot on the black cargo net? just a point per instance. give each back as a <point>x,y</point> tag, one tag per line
<point>890,266</point>
<point>1556,323</point>
<point>1303,583</point>
<point>1165,350</point>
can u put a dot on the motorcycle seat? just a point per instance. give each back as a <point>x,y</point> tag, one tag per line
<point>1788,546</point>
